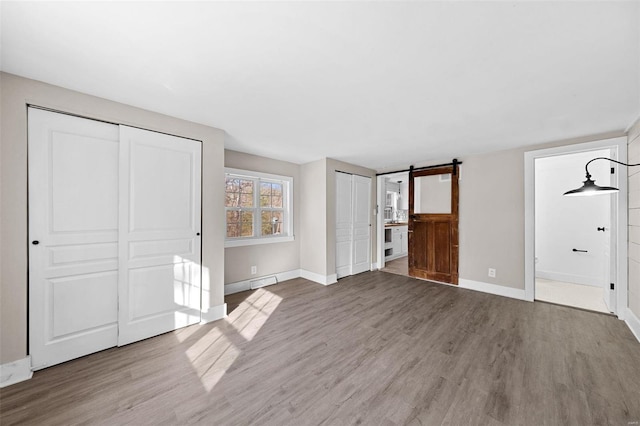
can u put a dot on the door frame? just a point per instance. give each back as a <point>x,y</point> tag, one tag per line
<point>619,144</point>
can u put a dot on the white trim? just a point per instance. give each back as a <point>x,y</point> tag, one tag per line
<point>318,278</point>
<point>529,214</point>
<point>570,278</point>
<point>498,290</point>
<point>633,322</point>
<point>15,372</point>
<point>374,266</point>
<point>257,240</point>
<point>214,313</point>
<point>379,217</point>
<point>245,285</point>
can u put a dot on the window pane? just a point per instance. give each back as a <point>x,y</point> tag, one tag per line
<point>233,230</point>
<point>246,200</point>
<point>265,188</point>
<point>233,216</point>
<point>267,228</point>
<point>272,222</point>
<point>265,201</point>
<point>246,186</point>
<point>246,229</point>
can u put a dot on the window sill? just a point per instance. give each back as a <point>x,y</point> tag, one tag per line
<point>257,241</point>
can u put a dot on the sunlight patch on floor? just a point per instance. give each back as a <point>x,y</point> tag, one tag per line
<point>254,312</point>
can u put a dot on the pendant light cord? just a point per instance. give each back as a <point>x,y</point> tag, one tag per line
<point>586,167</point>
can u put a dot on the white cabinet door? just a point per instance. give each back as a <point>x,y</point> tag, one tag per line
<point>73,233</point>
<point>404,240</point>
<point>361,224</point>
<point>159,271</point>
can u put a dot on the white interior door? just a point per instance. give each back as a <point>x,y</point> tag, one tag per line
<point>344,225</point>
<point>160,217</point>
<point>73,233</point>
<point>361,224</point>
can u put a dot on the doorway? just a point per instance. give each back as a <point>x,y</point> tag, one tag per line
<point>575,247</point>
<point>573,234</point>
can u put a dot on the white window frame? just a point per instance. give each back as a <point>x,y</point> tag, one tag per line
<point>287,202</point>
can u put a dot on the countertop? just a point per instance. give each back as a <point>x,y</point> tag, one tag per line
<point>389,224</point>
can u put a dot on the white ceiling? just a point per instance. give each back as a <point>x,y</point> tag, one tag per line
<point>378,84</point>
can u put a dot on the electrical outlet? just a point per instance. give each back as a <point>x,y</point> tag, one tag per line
<point>254,270</point>
<point>492,272</point>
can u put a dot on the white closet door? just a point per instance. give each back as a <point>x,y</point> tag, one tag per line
<point>361,225</point>
<point>159,271</point>
<point>344,222</point>
<point>73,233</point>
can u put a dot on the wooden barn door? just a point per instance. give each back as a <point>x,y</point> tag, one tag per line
<point>433,224</point>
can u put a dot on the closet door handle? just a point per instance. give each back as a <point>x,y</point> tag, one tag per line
<point>35,242</point>
<point>601,229</point>
<point>580,251</point>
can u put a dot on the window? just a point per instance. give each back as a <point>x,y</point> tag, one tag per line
<point>258,208</point>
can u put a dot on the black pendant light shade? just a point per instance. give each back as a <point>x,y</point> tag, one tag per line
<point>589,186</point>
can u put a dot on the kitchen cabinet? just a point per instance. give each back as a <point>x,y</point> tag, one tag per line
<point>396,243</point>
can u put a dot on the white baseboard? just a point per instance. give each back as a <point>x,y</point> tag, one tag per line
<point>567,278</point>
<point>318,278</point>
<point>374,266</point>
<point>499,290</point>
<point>633,322</point>
<point>214,313</point>
<point>245,285</point>
<point>15,372</point>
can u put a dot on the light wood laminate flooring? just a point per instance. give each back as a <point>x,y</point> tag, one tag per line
<point>398,266</point>
<point>375,348</point>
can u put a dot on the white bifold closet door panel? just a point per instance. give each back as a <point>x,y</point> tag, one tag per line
<point>73,237</point>
<point>353,230</point>
<point>361,224</point>
<point>159,269</point>
<point>114,235</point>
<point>344,225</point>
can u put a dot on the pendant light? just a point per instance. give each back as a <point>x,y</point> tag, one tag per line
<point>589,186</point>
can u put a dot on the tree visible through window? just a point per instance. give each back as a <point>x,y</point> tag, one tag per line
<point>256,206</point>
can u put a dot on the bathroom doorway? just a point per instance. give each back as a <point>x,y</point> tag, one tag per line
<point>575,253</point>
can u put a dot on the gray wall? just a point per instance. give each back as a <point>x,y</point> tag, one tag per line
<point>269,258</point>
<point>313,217</point>
<point>16,93</point>
<point>634,219</point>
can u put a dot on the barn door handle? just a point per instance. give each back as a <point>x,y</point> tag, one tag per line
<point>601,229</point>
<point>580,251</point>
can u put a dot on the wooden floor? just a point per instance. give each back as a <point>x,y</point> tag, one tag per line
<point>398,266</point>
<point>375,348</point>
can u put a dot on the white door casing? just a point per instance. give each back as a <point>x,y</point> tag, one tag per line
<point>73,217</point>
<point>160,212</point>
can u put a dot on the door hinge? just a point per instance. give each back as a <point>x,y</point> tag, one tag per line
<point>613,286</point>
<point>613,170</point>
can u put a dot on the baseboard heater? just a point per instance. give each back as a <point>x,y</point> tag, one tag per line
<point>263,282</point>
